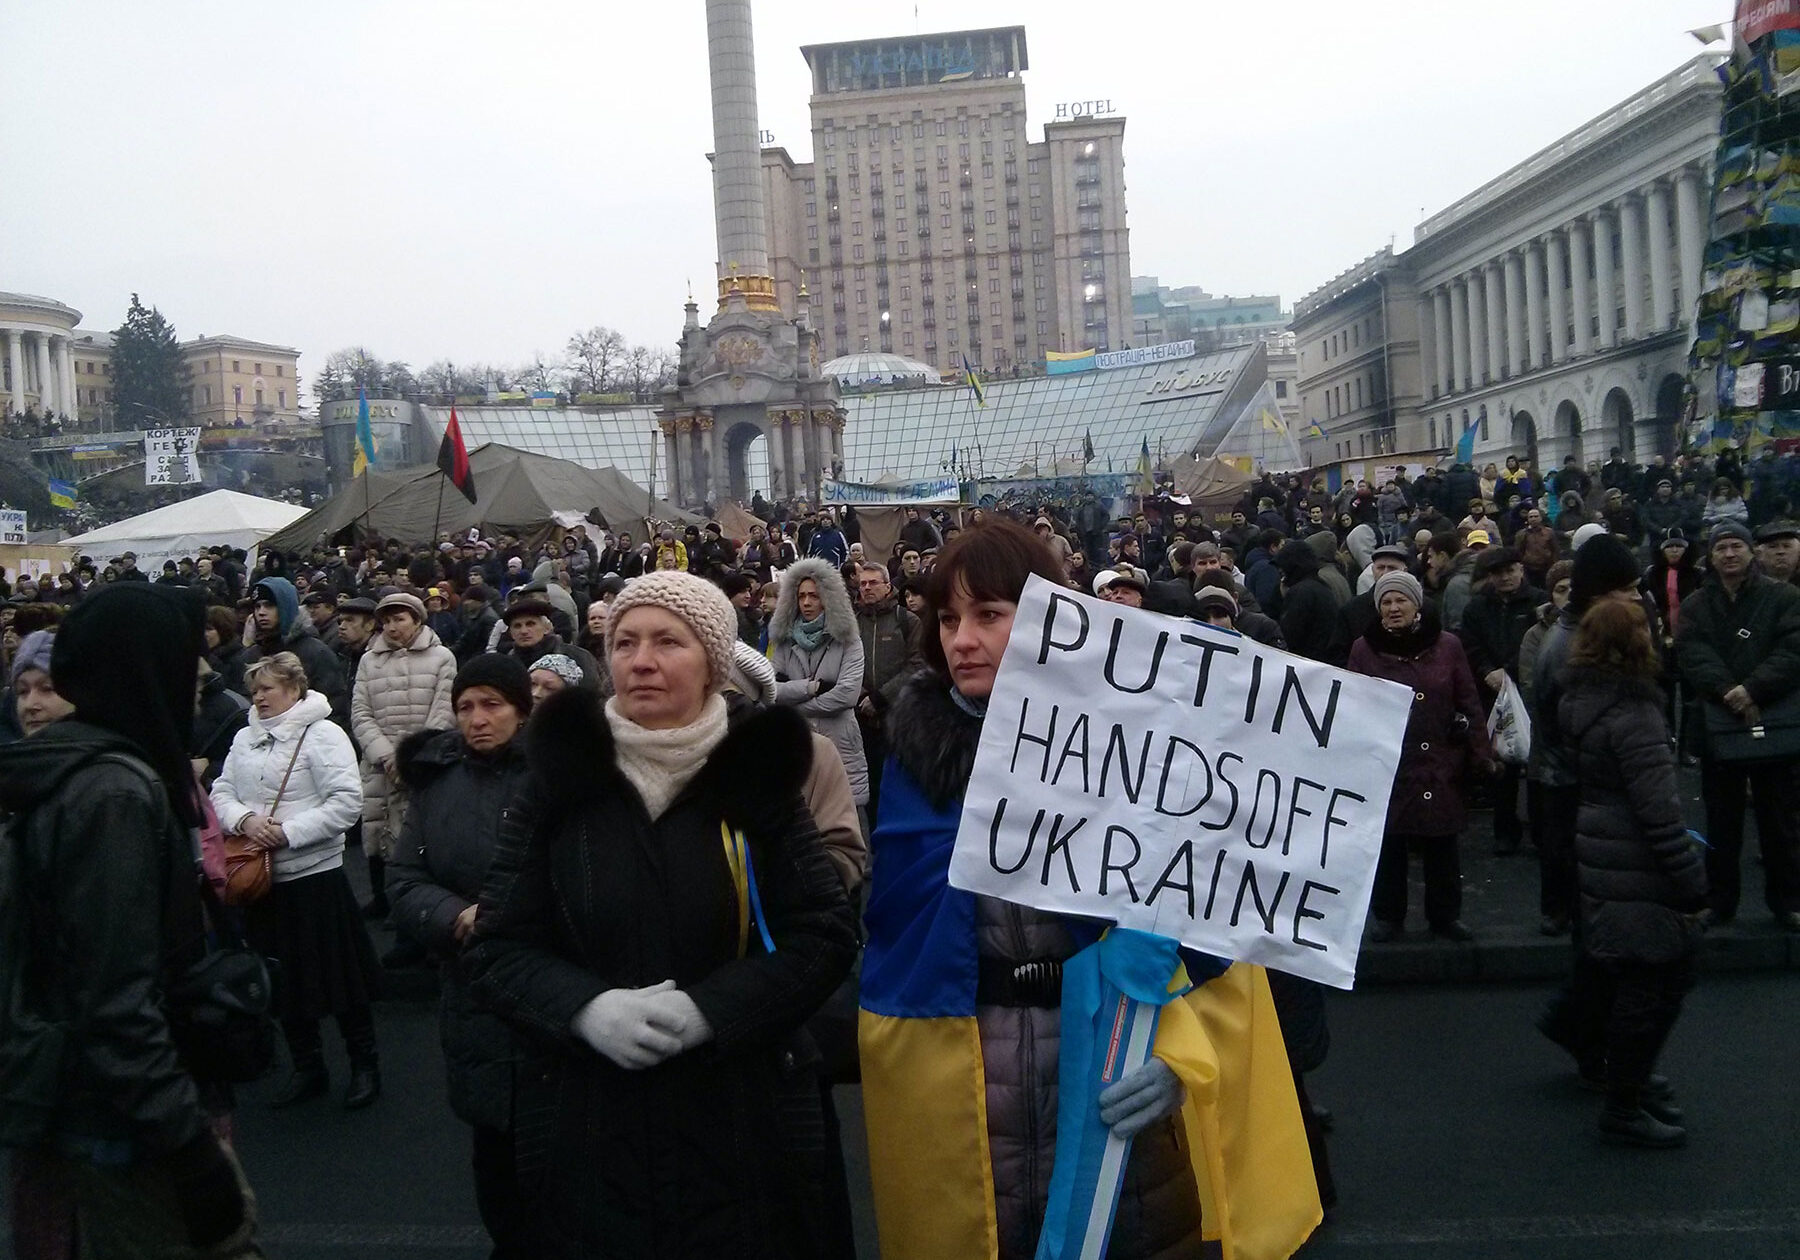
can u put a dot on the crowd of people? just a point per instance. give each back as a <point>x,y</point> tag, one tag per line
<point>643,800</point>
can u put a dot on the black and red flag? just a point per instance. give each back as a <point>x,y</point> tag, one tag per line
<point>453,458</point>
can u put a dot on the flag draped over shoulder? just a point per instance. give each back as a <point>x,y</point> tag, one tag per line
<point>364,459</point>
<point>453,458</point>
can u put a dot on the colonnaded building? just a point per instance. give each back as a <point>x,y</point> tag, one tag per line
<point>52,365</point>
<point>1552,308</point>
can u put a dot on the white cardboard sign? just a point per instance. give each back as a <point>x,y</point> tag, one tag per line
<point>1183,780</point>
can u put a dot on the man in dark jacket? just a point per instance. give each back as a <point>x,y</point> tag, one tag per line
<point>1738,644</point>
<point>890,645</point>
<point>1261,576</point>
<point>322,608</point>
<point>1494,623</point>
<point>530,634</point>
<point>1308,609</point>
<point>282,627</point>
<point>1660,513</point>
<point>827,542</point>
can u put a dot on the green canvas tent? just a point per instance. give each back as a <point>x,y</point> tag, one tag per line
<point>517,492</point>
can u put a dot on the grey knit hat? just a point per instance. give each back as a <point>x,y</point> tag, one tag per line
<point>33,653</point>
<point>696,601</point>
<point>1401,581</point>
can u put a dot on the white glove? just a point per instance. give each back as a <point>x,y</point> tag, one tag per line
<point>1132,1104</point>
<point>676,1009</point>
<point>628,1026</point>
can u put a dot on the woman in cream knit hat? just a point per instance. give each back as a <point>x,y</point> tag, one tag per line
<point>698,923</point>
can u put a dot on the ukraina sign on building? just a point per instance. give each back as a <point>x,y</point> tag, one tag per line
<point>1182,780</point>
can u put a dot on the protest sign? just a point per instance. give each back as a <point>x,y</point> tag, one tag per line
<point>12,526</point>
<point>171,457</point>
<point>1183,780</point>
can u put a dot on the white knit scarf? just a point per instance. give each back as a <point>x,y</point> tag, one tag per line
<point>660,763</point>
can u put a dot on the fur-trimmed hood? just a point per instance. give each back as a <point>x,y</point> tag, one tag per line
<point>840,615</point>
<point>765,756</point>
<point>932,737</point>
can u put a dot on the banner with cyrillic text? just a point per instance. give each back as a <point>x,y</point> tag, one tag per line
<point>1184,780</point>
<point>903,494</point>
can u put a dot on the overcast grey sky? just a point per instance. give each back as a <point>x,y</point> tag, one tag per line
<point>442,178</point>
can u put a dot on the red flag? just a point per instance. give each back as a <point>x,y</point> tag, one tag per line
<point>453,458</point>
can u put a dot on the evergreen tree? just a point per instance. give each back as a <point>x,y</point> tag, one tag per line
<point>149,389</point>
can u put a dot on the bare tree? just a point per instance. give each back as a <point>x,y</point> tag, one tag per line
<point>646,370</point>
<point>595,360</point>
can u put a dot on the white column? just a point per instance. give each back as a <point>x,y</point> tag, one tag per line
<point>1581,289</point>
<point>1631,248</point>
<point>1516,347</point>
<point>1492,283</point>
<point>1534,305</point>
<point>1690,235</point>
<point>1556,289</point>
<point>1440,301</point>
<point>71,391</point>
<point>1606,285</point>
<point>777,459</point>
<point>1428,337</point>
<point>46,399</point>
<point>683,465</point>
<point>1475,285</point>
<point>15,359</point>
<point>1662,280</point>
<point>1459,336</point>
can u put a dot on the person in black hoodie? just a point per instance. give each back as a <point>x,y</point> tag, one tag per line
<point>1308,608</point>
<point>1642,880</point>
<point>103,916</point>
<point>1494,624</point>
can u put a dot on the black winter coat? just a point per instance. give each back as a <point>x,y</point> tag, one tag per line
<point>719,1151</point>
<point>1752,639</point>
<point>109,894</point>
<point>1493,627</point>
<point>459,802</point>
<point>1639,873</point>
<point>1309,617</point>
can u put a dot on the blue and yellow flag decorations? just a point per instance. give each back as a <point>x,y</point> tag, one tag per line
<point>62,494</point>
<point>973,382</point>
<point>1313,430</point>
<point>1058,363</point>
<point>1146,480</point>
<point>364,459</point>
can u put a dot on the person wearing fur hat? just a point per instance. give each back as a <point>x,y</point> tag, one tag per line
<point>816,648</point>
<point>461,782</point>
<point>661,916</point>
<point>402,685</point>
<point>1446,734</point>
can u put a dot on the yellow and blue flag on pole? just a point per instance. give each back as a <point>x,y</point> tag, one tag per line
<point>62,494</point>
<point>364,458</point>
<point>1313,430</point>
<point>973,382</point>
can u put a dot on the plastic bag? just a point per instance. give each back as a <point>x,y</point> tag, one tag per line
<point>1509,726</point>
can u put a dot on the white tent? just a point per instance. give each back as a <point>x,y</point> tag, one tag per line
<point>223,518</point>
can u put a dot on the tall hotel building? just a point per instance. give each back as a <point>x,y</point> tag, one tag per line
<point>929,225</point>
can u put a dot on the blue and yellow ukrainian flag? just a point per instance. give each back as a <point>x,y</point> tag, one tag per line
<point>364,458</point>
<point>1313,430</point>
<point>924,1084</point>
<point>62,494</point>
<point>973,382</point>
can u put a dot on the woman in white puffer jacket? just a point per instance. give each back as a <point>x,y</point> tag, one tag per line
<point>309,918</point>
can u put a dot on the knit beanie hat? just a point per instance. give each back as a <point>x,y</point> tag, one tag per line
<point>1403,582</point>
<point>503,673</point>
<point>1602,564</point>
<point>34,653</point>
<point>696,601</point>
<point>1727,529</point>
<point>564,667</point>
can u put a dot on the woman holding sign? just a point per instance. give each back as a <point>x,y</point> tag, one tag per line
<point>1446,732</point>
<point>962,1022</point>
